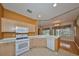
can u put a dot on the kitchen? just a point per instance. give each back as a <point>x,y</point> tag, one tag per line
<point>58,34</point>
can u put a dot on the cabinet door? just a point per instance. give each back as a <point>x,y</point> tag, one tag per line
<point>7,49</point>
<point>7,25</point>
<point>12,48</point>
<point>31,27</point>
<point>35,42</point>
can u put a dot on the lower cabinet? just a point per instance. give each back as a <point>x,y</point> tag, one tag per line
<point>53,44</point>
<point>7,49</point>
<point>36,43</point>
<point>57,43</point>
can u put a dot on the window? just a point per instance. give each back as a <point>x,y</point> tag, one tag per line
<point>46,32</point>
<point>63,31</point>
<point>68,31</point>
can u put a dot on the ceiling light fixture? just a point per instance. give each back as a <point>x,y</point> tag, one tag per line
<point>28,10</point>
<point>56,24</point>
<point>55,4</point>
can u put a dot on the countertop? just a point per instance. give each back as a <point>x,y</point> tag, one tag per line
<point>43,36</point>
<point>7,40</point>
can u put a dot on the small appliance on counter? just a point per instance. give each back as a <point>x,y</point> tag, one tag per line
<point>22,40</point>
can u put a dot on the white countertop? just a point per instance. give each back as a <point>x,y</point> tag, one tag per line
<point>7,40</point>
<point>43,36</point>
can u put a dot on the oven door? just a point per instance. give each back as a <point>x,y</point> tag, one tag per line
<point>22,46</point>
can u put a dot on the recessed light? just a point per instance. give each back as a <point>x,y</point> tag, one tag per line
<point>39,15</point>
<point>55,4</point>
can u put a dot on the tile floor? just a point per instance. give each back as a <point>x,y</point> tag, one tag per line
<point>46,52</point>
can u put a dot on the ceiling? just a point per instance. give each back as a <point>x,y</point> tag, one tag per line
<point>40,11</point>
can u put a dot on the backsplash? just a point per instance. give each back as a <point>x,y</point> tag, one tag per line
<point>8,35</point>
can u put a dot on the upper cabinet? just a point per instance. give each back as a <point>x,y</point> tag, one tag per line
<point>31,27</point>
<point>9,25</point>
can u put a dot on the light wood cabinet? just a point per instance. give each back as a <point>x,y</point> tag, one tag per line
<point>7,25</point>
<point>31,27</point>
<point>38,43</point>
<point>7,49</point>
<point>53,44</point>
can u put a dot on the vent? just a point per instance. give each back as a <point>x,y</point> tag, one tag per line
<point>29,11</point>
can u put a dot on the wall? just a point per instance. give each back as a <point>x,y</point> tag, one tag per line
<point>77,36</point>
<point>1,14</point>
<point>72,47</point>
<point>77,33</point>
